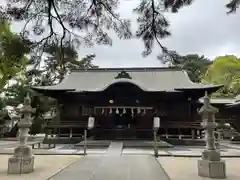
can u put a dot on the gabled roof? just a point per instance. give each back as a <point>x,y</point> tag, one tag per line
<point>147,79</point>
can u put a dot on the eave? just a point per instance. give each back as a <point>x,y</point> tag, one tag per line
<point>233,105</point>
<point>54,93</point>
<point>209,88</point>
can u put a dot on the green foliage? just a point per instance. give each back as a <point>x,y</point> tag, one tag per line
<point>12,60</point>
<point>194,65</point>
<point>12,53</point>
<point>53,71</point>
<point>15,96</point>
<point>224,70</point>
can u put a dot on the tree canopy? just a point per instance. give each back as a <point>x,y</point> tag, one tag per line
<point>12,53</point>
<point>89,22</point>
<point>19,66</point>
<point>225,70</point>
<point>193,64</point>
<point>50,73</point>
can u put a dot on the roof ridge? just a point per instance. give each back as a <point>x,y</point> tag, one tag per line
<point>129,69</point>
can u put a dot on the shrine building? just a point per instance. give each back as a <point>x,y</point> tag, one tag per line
<point>124,101</point>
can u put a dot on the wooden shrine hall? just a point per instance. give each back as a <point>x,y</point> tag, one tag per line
<point>124,101</point>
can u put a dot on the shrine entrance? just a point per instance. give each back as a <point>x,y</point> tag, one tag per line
<point>118,122</point>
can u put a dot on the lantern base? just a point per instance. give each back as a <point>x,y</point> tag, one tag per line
<point>20,165</point>
<point>212,169</point>
<point>22,161</point>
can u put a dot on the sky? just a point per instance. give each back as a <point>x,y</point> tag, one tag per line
<point>203,28</point>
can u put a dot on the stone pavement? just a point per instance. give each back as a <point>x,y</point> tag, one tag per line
<point>113,168</point>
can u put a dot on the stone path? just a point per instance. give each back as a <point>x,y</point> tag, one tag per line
<point>115,149</point>
<point>113,168</point>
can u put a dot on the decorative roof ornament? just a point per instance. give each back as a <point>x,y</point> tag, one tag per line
<point>123,74</point>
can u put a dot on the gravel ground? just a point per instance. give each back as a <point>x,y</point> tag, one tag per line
<point>45,167</point>
<point>180,168</point>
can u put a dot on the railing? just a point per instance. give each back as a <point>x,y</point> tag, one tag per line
<point>67,124</point>
<point>168,124</point>
<point>165,124</point>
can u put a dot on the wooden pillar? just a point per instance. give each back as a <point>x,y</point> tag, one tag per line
<point>59,132</point>
<point>193,133</point>
<point>85,142</point>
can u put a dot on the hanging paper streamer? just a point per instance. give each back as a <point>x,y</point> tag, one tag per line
<point>102,110</point>
<point>117,111</point>
<point>110,112</point>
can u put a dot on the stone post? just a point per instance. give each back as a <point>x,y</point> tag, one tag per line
<point>22,160</point>
<point>156,126</point>
<point>211,164</point>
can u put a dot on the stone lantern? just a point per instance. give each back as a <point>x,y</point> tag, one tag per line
<point>211,164</point>
<point>22,160</point>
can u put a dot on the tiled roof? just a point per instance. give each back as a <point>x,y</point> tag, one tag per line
<point>147,79</point>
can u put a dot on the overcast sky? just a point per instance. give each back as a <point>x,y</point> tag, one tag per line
<point>203,28</point>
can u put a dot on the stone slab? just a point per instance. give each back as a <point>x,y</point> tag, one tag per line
<point>94,143</point>
<point>92,151</point>
<point>185,153</point>
<point>212,169</point>
<point>66,151</point>
<point>139,151</point>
